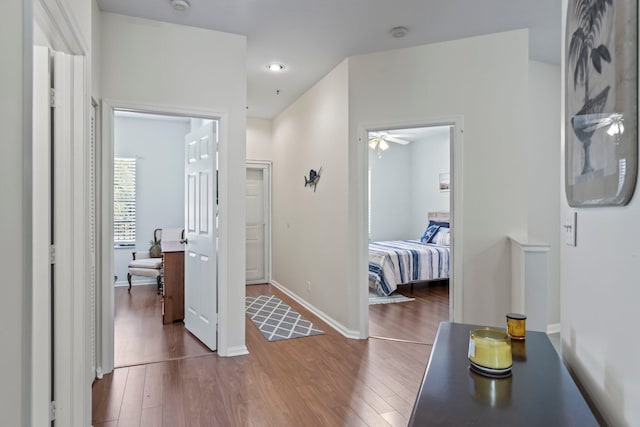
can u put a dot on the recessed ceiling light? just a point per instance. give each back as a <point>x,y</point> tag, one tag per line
<point>275,67</point>
<point>399,32</point>
<point>180,5</point>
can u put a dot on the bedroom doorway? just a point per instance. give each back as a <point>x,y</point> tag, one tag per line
<point>258,222</point>
<point>409,230</point>
<point>148,178</point>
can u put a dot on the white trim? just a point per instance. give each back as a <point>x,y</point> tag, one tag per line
<point>265,166</point>
<point>456,277</point>
<point>553,328</point>
<point>41,225</point>
<point>72,382</point>
<point>106,215</point>
<point>60,26</point>
<point>237,351</point>
<point>321,314</point>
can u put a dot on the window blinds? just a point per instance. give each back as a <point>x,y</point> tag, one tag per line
<point>124,201</point>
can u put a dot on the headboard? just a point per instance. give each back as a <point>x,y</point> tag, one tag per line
<point>438,216</point>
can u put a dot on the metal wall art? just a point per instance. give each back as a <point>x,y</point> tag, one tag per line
<point>314,177</point>
<point>601,102</point>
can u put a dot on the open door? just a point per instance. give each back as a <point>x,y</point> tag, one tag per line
<point>200,264</point>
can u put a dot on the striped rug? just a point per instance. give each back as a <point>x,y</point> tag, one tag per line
<point>276,320</point>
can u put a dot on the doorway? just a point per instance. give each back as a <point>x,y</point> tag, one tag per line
<point>258,218</point>
<point>162,174</point>
<point>149,194</point>
<point>441,172</point>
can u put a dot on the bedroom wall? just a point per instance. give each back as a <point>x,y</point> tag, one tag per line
<point>158,146</point>
<point>600,295</point>
<point>429,158</point>
<point>259,140</point>
<point>310,236</point>
<point>140,60</point>
<point>390,193</point>
<point>485,79</point>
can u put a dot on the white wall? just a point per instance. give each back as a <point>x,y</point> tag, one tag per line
<point>544,173</point>
<point>15,122</point>
<point>430,157</point>
<point>310,228</point>
<point>158,146</point>
<point>171,66</point>
<point>599,304</point>
<point>259,140</point>
<point>391,193</point>
<point>485,79</point>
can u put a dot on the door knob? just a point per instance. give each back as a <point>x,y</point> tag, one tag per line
<point>184,241</point>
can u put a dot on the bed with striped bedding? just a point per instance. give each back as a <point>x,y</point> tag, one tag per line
<point>403,261</point>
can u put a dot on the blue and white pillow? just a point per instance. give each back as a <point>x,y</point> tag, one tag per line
<point>442,237</point>
<point>431,231</point>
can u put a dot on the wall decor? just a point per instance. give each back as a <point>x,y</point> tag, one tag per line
<point>314,177</point>
<point>444,180</point>
<point>601,102</point>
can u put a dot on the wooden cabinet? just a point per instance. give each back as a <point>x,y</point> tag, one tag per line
<point>173,282</point>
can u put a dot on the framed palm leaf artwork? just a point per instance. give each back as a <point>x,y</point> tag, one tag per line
<point>601,102</point>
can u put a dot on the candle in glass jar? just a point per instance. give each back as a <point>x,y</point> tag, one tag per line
<point>490,348</point>
<point>516,325</point>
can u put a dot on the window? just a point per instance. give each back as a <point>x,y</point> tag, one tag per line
<point>124,201</point>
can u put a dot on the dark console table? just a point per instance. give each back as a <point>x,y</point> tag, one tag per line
<point>540,391</point>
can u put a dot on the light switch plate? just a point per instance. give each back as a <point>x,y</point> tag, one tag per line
<point>569,228</point>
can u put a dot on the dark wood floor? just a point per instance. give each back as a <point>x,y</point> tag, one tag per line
<point>324,380</point>
<point>140,336</point>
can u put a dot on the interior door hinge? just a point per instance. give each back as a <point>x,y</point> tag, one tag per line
<point>52,254</point>
<point>52,97</point>
<point>52,411</point>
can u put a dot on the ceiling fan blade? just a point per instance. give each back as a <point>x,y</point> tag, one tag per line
<point>396,140</point>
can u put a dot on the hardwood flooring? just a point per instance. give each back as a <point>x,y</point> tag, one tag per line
<point>415,321</point>
<point>139,335</point>
<point>323,380</point>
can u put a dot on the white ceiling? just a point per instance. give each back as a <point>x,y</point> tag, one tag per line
<point>312,36</point>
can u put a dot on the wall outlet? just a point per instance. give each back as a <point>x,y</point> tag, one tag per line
<point>569,228</point>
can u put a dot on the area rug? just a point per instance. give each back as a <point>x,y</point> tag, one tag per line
<point>276,320</point>
<point>374,298</point>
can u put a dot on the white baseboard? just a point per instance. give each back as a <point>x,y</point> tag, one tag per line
<point>321,314</point>
<point>240,350</point>
<point>553,328</point>
<point>147,282</point>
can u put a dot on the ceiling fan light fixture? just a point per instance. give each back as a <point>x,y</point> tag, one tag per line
<point>180,5</point>
<point>373,143</point>
<point>383,145</point>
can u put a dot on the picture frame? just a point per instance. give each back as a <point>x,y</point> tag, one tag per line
<point>444,181</point>
<point>601,102</point>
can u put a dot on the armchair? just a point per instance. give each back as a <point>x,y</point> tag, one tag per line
<point>143,264</point>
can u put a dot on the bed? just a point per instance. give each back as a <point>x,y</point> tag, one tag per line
<point>398,262</point>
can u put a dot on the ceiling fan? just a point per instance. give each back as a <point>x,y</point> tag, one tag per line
<point>379,141</point>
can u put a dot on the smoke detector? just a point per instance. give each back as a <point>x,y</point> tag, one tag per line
<point>399,32</point>
<point>180,5</point>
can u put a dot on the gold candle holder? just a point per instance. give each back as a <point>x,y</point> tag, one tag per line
<point>516,326</point>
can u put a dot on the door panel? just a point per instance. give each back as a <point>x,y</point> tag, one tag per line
<point>256,251</point>
<point>200,248</point>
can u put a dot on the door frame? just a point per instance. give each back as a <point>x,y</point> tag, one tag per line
<point>455,209</point>
<point>72,390</point>
<point>106,293</point>
<point>265,166</point>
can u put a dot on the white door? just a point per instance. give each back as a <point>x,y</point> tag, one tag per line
<point>256,226</point>
<point>200,269</point>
